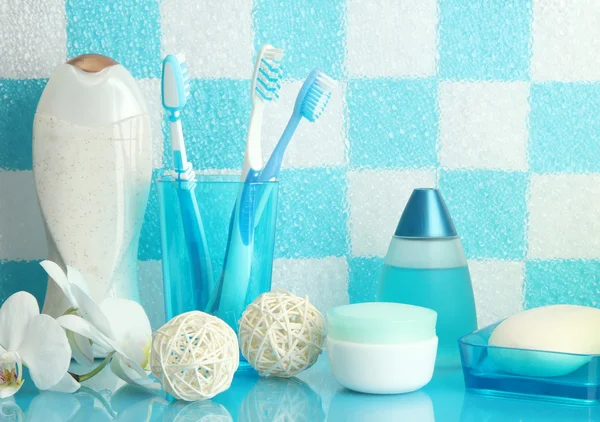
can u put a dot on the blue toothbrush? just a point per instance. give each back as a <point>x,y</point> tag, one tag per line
<point>175,90</point>
<point>310,104</point>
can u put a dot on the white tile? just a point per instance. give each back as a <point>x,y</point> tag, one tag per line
<point>377,199</point>
<point>484,125</point>
<point>563,216</point>
<point>216,36</point>
<point>152,91</point>
<point>391,38</point>
<point>150,284</point>
<point>33,38</point>
<point>22,233</point>
<point>566,37</point>
<point>498,287</point>
<point>324,281</point>
<point>315,144</point>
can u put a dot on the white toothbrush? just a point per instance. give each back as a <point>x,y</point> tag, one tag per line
<point>265,88</point>
<point>230,294</point>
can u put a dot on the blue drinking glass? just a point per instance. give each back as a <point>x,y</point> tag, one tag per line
<point>193,275</point>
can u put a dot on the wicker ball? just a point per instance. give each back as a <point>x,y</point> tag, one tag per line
<point>281,334</point>
<point>194,356</point>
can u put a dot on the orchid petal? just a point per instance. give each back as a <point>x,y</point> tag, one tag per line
<point>45,351</point>
<point>67,384</point>
<point>80,348</point>
<point>100,352</point>
<point>57,274</point>
<point>90,311</point>
<point>131,327</point>
<point>9,390</point>
<point>80,326</point>
<point>11,371</point>
<point>15,315</point>
<point>105,380</point>
<point>76,278</point>
<point>132,373</point>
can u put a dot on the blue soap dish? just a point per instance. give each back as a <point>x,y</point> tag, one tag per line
<point>483,375</point>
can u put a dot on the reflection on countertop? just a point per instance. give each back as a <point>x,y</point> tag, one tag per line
<point>478,408</point>
<point>312,397</point>
<point>353,407</point>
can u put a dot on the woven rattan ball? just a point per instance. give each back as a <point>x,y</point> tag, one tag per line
<point>194,356</point>
<point>281,334</point>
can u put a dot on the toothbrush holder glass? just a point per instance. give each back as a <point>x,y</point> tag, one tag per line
<point>199,277</point>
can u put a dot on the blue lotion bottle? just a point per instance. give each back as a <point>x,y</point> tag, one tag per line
<point>426,266</point>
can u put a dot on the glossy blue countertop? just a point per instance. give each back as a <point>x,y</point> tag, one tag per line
<point>314,396</point>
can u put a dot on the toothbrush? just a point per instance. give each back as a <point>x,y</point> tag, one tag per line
<point>175,91</point>
<point>231,291</point>
<point>310,104</point>
<point>265,88</point>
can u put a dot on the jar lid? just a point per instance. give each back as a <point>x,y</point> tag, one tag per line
<point>381,323</point>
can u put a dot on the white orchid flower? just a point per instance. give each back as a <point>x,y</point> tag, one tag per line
<point>118,326</point>
<point>36,341</point>
<point>80,346</point>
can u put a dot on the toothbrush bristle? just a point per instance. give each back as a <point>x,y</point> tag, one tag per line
<point>185,74</point>
<point>273,53</point>
<point>317,97</point>
<point>326,82</point>
<point>269,74</point>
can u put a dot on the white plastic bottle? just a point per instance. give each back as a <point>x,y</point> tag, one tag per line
<point>426,266</point>
<point>92,164</point>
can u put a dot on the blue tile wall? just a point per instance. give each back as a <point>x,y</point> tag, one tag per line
<point>562,281</point>
<point>363,276</point>
<point>489,210</point>
<point>310,31</point>
<point>214,123</point>
<point>389,120</point>
<point>485,40</point>
<point>18,101</point>
<point>126,30</point>
<point>23,275</point>
<point>312,214</point>
<point>392,123</point>
<point>565,129</point>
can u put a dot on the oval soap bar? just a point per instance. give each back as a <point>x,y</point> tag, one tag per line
<point>571,331</point>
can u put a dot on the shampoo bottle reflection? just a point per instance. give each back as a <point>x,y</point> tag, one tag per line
<point>426,266</point>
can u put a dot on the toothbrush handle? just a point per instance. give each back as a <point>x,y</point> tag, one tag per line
<point>264,199</point>
<point>237,266</point>
<point>273,166</point>
<point>253,155</point>
<point>197,244</point>
<point>179,156</point>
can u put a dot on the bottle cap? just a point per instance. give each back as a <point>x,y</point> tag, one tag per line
<point>426,216</point>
